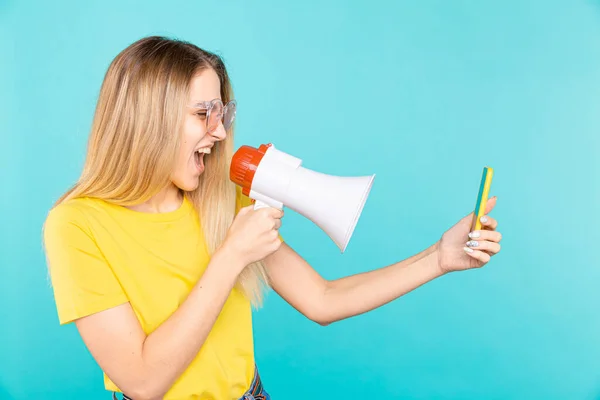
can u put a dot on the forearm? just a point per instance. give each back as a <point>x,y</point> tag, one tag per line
<point>363,292</point>
<point>173,345</point>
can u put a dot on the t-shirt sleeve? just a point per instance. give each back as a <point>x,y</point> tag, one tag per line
<point>82,280</point>
<point>243,201</point>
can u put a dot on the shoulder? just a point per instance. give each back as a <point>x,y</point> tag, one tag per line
<point>67,232</point>
<point>72,213</point>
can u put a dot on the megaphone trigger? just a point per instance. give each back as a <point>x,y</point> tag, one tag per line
<point>260,204</point>
<point>261,201</point>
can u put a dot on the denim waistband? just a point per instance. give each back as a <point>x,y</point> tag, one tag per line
<point>255,392</point>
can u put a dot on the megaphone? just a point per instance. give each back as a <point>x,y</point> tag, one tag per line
<point>276,179</point>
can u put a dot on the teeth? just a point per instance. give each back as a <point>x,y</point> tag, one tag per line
<point>205,150</point>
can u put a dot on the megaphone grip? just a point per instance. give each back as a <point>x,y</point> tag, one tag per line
<point>260,204</point>
<point>265,201</point>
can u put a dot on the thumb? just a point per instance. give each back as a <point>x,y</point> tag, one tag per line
<point>489,206</point>
<point>491,203</point>
<point>247,209</point>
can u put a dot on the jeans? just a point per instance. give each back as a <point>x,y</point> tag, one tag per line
<point>255,392</point>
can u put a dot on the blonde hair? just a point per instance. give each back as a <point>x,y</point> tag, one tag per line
<point>135,138</point>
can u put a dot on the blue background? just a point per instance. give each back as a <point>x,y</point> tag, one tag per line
<point>424,94</point>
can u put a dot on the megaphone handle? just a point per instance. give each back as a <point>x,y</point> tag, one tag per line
<point>261,201</point>
<point>260,204</point>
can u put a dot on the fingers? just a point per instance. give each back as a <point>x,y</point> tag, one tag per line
<point>271,212</point>
<point>488,222</point>
<point>484,245</point>
<point>273,216</point>
<point>277,218</point>
<point>276,242</point>
<point>478,255</point>
<point>493,236</point>
<point>276,213</point>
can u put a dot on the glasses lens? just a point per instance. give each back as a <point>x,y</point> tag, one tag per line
<point>229,116</point>
<point>216,114</point>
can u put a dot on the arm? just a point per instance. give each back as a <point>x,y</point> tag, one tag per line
<point>145,367</point>
<point>328,301</point>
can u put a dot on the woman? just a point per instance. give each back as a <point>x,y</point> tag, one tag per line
<point>157,257</point>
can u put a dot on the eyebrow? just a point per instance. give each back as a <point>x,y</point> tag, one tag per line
<point>203,103</point>
<point>200,104</point>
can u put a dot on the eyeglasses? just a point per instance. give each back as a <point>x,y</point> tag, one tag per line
<point>217,112</point>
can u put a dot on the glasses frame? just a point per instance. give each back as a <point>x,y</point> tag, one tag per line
<point>209,106</point>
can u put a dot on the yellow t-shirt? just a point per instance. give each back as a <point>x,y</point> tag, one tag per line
<point>101,255</point>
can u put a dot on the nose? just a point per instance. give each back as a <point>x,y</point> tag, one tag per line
<point>219,132</point>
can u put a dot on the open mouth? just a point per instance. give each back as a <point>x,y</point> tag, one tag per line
<point>199,156</point>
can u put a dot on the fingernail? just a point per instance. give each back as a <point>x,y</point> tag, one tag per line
<point>484,219</point>
<point>474,234</point>
<point>468,250</point>
<point>472,243</point>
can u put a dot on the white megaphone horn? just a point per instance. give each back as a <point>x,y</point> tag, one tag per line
<point>276,179</point>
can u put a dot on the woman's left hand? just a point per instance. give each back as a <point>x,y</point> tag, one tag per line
<point>460,249</point>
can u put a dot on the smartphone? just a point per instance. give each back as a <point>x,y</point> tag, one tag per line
<point>482,197</point>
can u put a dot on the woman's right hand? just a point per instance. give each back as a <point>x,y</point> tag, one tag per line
<point>254,234</point>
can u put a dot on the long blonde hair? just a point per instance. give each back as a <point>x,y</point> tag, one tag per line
<point>135,138</point>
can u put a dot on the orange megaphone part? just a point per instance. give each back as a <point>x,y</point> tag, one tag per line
<point>244,164</point>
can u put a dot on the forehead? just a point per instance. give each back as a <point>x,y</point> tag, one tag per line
<point>205,86</point>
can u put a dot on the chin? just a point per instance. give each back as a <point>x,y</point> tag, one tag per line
<point>188,185</point>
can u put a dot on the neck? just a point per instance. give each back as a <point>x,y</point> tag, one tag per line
<point>167,200</point>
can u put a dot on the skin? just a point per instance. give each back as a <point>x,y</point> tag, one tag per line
<point>145,367</point>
